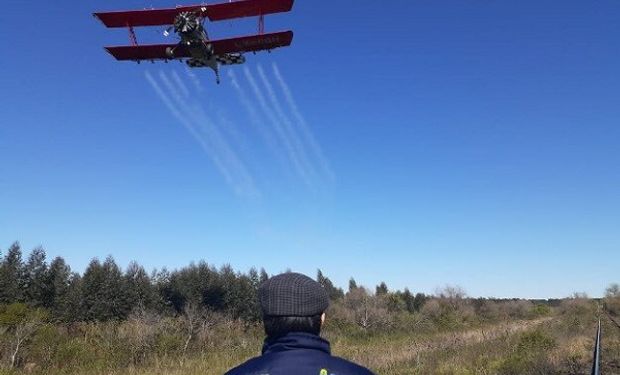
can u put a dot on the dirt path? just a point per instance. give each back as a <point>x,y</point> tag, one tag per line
<point>403,351</point>
<point>475,336</point>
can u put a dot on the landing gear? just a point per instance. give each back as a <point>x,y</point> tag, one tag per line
<point>201,63</point>
<point>217,76</point>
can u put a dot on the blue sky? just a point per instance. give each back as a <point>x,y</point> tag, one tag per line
<point>421,143</point>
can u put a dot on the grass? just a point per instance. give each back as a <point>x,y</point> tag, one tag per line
<point>559,344</point>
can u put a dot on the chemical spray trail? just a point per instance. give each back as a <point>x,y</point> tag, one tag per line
<point>194,79</point>
<point>279,130</point>
<point>264,131</point>
<point>205,133</point>
<point>180,84</point>
<point>186,122</point>
<point>255,118</point>
<point>303,126</point>
<point>221,150</point>
<point>288,126</point>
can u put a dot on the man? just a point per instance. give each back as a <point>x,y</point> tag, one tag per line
<point>293,308</point>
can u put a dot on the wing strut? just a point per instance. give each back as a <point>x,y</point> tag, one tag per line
<point>132,36</point>
<point>261,24</point>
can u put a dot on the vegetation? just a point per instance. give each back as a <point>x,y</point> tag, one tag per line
<point>203,320</point>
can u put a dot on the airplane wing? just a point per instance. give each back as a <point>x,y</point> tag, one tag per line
<point>252,43</point>
<point>147,17</point>
<point>215,12</point>
<point>147,52</point>
<point>247,8</point>
<point>222,46</point>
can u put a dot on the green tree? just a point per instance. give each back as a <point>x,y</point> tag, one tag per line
<point>104,293</point>
<point>58,282</point>
<point>409,300</point>
<point>12,276</point>
<point>240,299</point>
<point>254,278</point>
<point>140,292</point>
<point>333,292</point>
<point>70,307</point>
<point>419,301</point>
<point>381,289</point>
<point>352,285</point>
<point>36,285</point>
<point>263,276</point>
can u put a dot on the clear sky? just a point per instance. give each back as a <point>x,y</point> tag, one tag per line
<point>419,143</point>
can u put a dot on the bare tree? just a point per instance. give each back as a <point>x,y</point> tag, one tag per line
<point>21,323</point>
<point>612,299</point>
<point>191,322</point>
<point>368,310</point>
<point>613,291</point>
<point>197,321</point>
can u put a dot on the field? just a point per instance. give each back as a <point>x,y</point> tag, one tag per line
<point>559,342</point>
<point>203,320</point>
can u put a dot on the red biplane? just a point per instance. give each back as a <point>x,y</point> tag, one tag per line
<point>195,46</point>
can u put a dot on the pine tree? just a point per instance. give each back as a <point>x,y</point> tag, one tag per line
<point>409,300</point>
<point>381,289</point>
<point>352,285</point>
<point>254,278</point>
<point>58,281</point>
<point>239,294</point>
<point>115,291</point>
<point>140,292</point>
<point>263,276</point>
<point>419,301</point>
<point>104,294</point>
<point>72,307</point>
<point>333,292</point>
<point>92,291</point>
<point>36,286</point>
<point>12,276</point>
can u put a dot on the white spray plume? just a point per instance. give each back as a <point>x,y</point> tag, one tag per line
<point>281,133</point>
<point>303,126</point>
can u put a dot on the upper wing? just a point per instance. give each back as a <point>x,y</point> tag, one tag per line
<point>247,8</point>
<point>215,12</point>
<point>253,42</point>
<point>147,17</point>
<point>147,52</point>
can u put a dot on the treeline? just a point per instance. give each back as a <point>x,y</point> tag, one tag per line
<point>105,292</point>
<point>108,318</point>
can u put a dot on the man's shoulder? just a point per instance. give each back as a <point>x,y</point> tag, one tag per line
<point>342,366</point>
<point>249,367</point>
<point>331,364</point>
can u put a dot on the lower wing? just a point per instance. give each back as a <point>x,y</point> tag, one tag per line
<point>242,44</point>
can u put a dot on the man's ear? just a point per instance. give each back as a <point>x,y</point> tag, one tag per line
<point>322,318</point>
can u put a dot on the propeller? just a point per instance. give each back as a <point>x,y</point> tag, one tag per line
<point>186,22</point>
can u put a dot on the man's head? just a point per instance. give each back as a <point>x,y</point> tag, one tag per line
<point>292,302</point>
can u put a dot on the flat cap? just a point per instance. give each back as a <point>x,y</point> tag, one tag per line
<point>292,294</point>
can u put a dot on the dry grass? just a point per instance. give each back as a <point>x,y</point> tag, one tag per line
<point>491,349</point>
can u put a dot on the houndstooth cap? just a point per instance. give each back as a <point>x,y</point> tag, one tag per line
<point>292,294</point>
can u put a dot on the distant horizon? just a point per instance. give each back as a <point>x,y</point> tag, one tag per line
<point>150,270</point>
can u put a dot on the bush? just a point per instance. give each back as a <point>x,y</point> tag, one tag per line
<point>529,356</point>
<point>541,310</point>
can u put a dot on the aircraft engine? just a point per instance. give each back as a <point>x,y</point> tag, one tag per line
<point>186,22</point>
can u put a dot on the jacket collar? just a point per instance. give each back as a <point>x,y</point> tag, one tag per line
<point>296,340</point>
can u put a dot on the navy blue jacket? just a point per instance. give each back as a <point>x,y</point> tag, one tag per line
<point>298,354</point>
